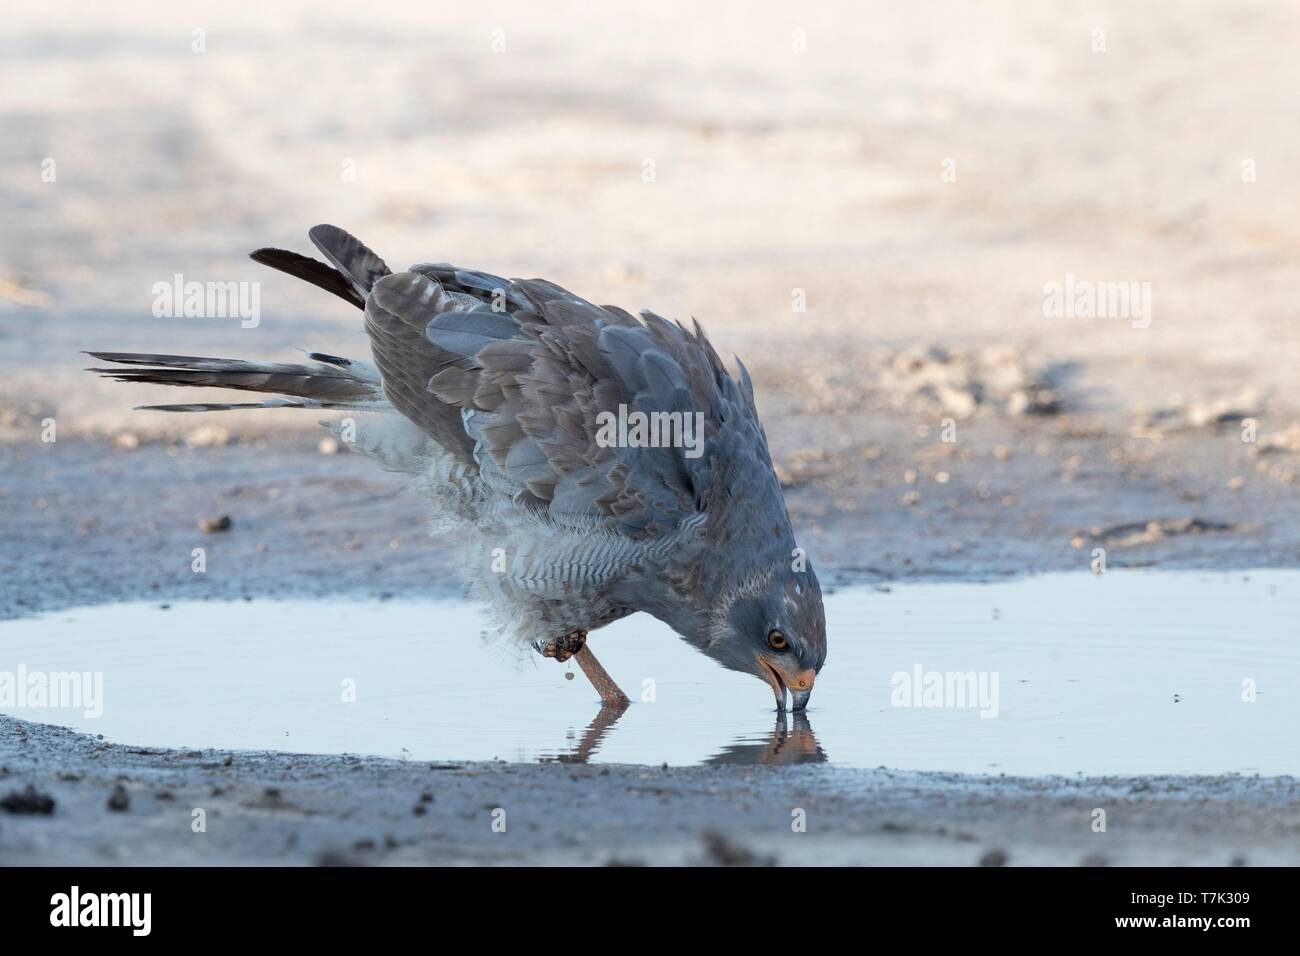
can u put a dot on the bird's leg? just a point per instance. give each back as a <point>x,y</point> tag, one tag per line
<point>574,644</point>
<point>610,695</point>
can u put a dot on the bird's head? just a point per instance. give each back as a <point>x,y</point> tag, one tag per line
<point>774,627</point>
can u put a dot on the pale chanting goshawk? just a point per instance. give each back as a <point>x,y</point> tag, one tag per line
<point>488,393</point>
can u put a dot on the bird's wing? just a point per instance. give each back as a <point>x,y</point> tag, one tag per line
<point>527,369</point>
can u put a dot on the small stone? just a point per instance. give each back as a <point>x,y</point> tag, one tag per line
<point>118,800</point>
<point>215,524</point>
<point>29,802</point>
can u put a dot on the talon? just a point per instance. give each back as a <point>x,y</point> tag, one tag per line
<point>565,647</point>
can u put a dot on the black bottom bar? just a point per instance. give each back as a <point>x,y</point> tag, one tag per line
<point>776,906</point>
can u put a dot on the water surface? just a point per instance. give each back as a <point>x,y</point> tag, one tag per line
<point>1128,672</point>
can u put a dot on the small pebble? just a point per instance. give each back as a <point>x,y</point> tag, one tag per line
<point>215,524</point>
<point>29,802</point>
<point>118,800</point>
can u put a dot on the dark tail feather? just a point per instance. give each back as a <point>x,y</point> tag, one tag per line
<point>355,267</point>
<point>350,256</point>
<point>330,359</point>
<point>333,383</point>
<point>234,406</point>
<point>321,386</point>
<point>311,270</point>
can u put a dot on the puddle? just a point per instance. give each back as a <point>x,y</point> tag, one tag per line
<point>1131,672</point>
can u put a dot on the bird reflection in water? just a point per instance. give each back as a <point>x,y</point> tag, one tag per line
<point>790,741</point>
<point>785,744</point>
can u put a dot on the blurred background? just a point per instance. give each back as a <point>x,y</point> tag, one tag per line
<point>864,200</point>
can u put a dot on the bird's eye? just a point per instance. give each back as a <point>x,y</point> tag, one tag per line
<point>776,640</point>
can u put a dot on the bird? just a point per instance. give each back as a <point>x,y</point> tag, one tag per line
<point>590,463</point>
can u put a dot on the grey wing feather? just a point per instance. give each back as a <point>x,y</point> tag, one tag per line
<point>398,311</point>
<point>467,333</point>
<point>350,256</point>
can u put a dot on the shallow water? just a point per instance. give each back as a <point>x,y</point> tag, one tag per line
<point>1129,672</point>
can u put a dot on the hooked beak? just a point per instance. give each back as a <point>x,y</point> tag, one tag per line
<point>799,683</point>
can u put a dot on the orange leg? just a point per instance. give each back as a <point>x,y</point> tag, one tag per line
<point>574,644</point>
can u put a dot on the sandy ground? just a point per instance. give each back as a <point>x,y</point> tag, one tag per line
<point>697,162</point>
<point>118,806</point>
<point>86,521</point>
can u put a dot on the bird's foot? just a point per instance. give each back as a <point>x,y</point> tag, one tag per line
<point>563,648</point>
